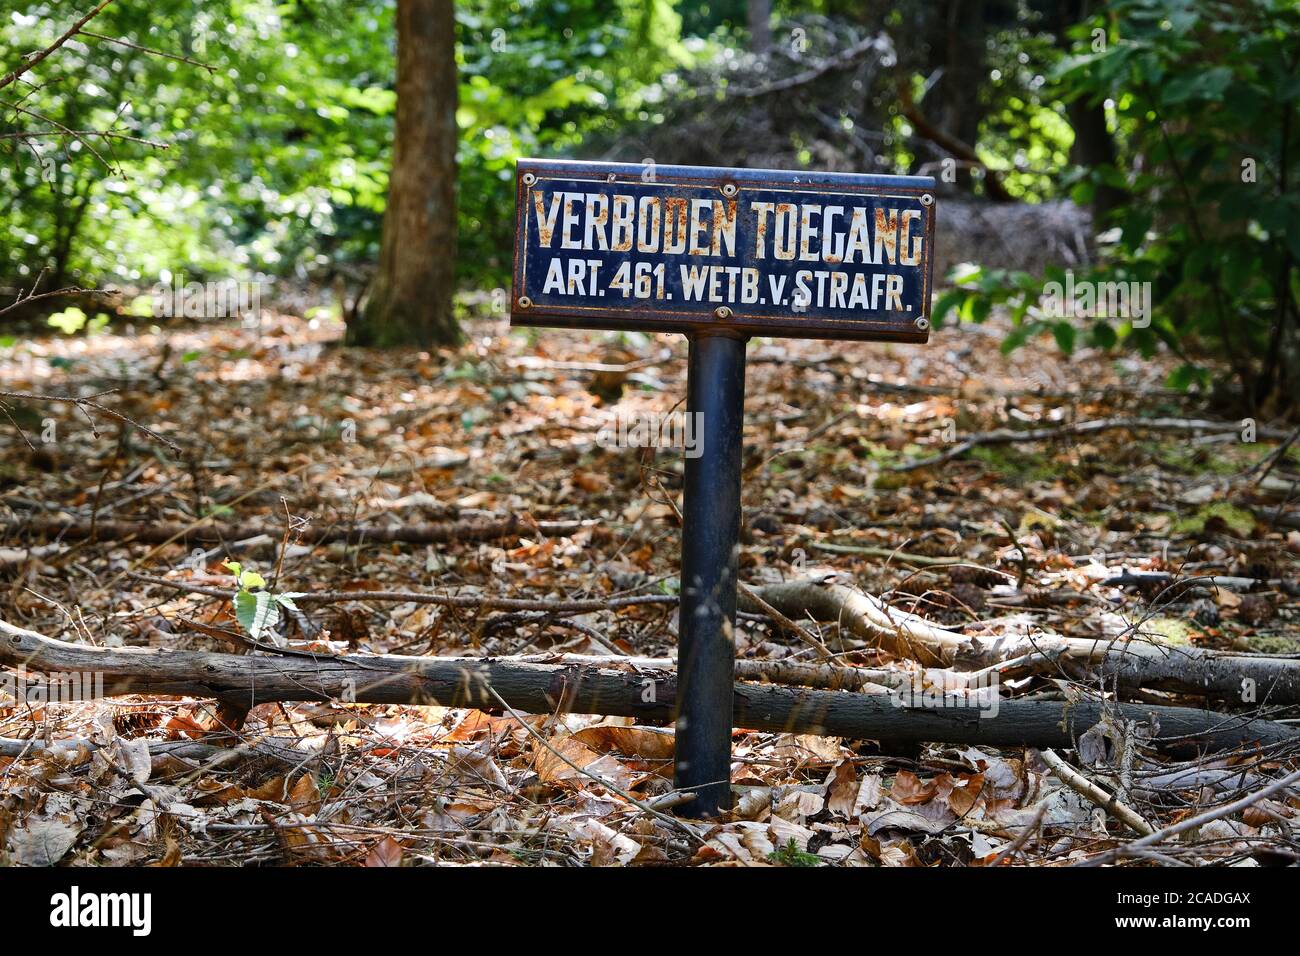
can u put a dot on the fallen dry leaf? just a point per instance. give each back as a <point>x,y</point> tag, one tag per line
<point>387,852</point>
<point>40,841</point>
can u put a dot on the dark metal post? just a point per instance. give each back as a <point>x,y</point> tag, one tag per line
<point>715,391</point>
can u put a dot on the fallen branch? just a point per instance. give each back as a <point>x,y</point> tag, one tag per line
<point>469,601</point>
<point>11,556</point>
<point>247,680</point>
<point>751,595</point>
<point>1095,794</point>
<point>174,532</point>
<point>85,403</point>
<point>949,143</point>
<point>1129,663</point>
<point>902,634</point>
<point>1007,436</point>
<point>824,676</point>
<point>892,554</point>
<point>15,748</point>
<point>1191,823</point>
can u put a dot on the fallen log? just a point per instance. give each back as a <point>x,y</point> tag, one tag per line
<point>15,748</point>
<point>1007,436</point>
<point>440,532</point>
<point>247,680</point>
<point>1128,663</point>
<point>825,676</point>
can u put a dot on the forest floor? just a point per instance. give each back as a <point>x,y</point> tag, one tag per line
<point>1080,534</point>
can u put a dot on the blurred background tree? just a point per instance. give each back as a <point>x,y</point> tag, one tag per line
<point>1161,133</point>
<point>410,302</point>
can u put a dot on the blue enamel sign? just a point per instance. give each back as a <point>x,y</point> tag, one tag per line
<point>759,252</point>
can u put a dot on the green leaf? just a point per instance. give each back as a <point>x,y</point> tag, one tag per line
<point>286,599</point>
<point>69,321</point>
<point>1185,376</point>
<point>1019,336</point>
<point>945,304</point>
<point>1104,336</point>
<point>251,579</point>
<point>964,272</point>
<point>256,612</point>
<point>1063,332</point>
<point>1201,85</point>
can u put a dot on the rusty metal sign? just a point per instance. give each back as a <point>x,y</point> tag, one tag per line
<point>702,249</point>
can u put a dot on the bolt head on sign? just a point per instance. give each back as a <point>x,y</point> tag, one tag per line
<point>694,249</point>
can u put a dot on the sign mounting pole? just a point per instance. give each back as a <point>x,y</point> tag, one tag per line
<point>715,391</point>
<point>720,255</point>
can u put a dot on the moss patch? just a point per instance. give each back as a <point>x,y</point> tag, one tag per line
<point>1016,464</point>
<point>1267,644</point>
<point>1239,520</point>
<point>1170,630</point>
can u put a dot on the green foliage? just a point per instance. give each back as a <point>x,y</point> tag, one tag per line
<point>1024,134</point>
<point>1202,97</point>
<point>72,320</point>
<point>539,80</point>
<point>791,855</point>
<point>256,609</point>
<point>265,153</point>
<point>976,291</point>
<point>277,159</point>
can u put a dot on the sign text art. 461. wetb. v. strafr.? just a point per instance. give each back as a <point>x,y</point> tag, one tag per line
<point>757,252</point>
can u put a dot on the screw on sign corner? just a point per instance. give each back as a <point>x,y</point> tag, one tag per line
<point>922,324</point>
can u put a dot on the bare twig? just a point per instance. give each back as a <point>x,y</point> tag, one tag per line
<point>1095,794</point>
<point>1191,823</point>
<point>480,602</point>
<point>72,31</point>
<point>84,403</point>
<point>104,133</point>
<point>150,50</point>
<point>803,634</point>
<point>70,290</point>
<point>838,61</point>
<point>1006,436</point>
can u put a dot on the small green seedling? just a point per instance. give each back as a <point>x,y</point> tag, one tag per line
<point>791,855</point>
<point>257,609</point>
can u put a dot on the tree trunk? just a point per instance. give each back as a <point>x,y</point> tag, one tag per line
<point>957,46</point>
<point>760,26</point>
<point>1093,145</point>
<point>411,299</point>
